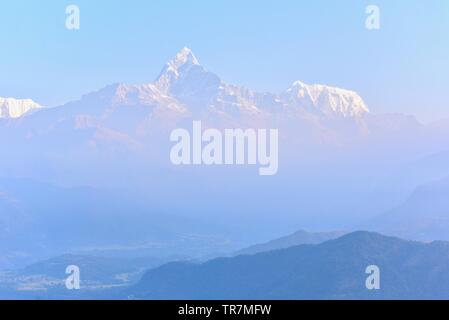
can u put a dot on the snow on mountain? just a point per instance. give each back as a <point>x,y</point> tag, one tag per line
<point>186,80</point>
<point>132,115</point>
<point>148,95</point>
<point>16,108</point>
<point>325,99</point>
<point>185,89</point>
<point>184,86</point>
<point>177,69</point>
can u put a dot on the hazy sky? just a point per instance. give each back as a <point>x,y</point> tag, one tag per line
<point>265,45</point>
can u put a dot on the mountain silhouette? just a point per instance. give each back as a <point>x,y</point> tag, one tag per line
<point>331,270</point>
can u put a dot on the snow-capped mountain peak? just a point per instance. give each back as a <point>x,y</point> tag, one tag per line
<point>178,67</point>
<point>184,79</point>
<point>16,108</point>
<point>184,87</point>
<point>325,99</point>
<point>185,56</point>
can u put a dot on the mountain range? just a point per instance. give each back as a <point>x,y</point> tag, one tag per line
<point>106,270</point>
<point>185,88</point>
<point>103,161</point>
<point>129,124</point>
<point>335,269</point>
<point>132,118</point>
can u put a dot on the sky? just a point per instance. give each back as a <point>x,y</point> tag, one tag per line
<point>265,45</point>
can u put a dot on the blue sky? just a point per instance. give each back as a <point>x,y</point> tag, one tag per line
<point>265,45</point>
